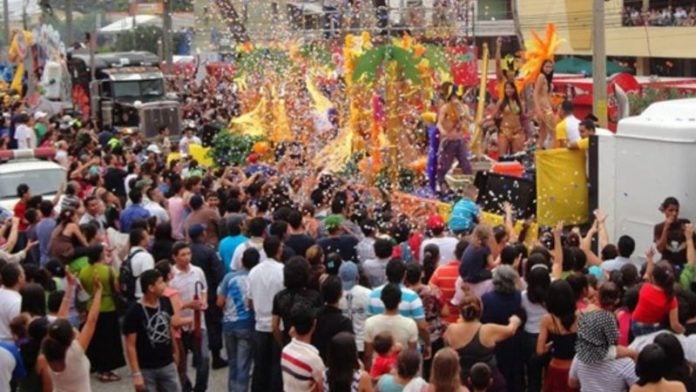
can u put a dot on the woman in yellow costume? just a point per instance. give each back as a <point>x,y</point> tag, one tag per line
<point>511,137</point>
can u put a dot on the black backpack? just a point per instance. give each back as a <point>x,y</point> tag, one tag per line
<point>126,279</point>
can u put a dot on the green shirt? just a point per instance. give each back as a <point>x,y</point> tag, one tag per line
<point>40,129</point>
<point>102,270</point>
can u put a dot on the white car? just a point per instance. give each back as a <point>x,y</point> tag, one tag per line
<point>43,177</point>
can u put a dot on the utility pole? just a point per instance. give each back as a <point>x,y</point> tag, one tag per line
<point>167,44</point>
<point>6,15</point>
<point>599,64</point>
<point>69,22</point>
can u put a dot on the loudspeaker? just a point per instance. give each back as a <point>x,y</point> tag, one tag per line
<point>495,189</point>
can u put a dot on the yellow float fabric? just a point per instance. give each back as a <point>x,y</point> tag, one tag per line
<point>562,193</point>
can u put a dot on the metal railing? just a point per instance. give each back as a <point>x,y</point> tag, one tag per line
<point>311,20</point>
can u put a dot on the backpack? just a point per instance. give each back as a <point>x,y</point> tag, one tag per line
<point>126,279</point>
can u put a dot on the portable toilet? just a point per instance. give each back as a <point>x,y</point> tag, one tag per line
<point>651,157</point>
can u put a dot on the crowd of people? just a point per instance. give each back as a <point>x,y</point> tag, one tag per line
<point>299,280</point>
<point>668,16</point>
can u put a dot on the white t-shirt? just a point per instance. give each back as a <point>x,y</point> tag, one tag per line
<point>185,282</point>
<point>22,133</point>
<point>265,281</point>
<point>236,263</point>
<point>7,365</point>
<point>353,304</point>
<point>10,305</point>
<point>75,377</point>
<point>447,245</point>
<point>403,329</point>
<point>157,211</point>
<point>62,158</point>
<point>185,141</point>
<point>140,262</point>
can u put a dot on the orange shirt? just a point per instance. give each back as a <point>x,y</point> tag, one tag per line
<point>445,278</point>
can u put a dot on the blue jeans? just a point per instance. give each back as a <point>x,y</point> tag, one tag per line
<point>639,329</point>
<point>162,379</point>
<point>240,352</point>
<point>201,361</point>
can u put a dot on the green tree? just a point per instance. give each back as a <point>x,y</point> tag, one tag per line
<point>141,38</point>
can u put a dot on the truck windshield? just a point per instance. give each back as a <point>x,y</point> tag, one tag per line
<point>139,88</point>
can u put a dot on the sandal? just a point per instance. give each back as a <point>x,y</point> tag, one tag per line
<point>108,377</point>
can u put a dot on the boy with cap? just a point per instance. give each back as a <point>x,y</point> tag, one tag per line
<point>446,244</point>
<point>338,241</point>
<point>354,302</point>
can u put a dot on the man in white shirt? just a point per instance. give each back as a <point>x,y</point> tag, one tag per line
<point>445,243</point>
<point>13,280</point>
<point>568,129</point>
<point>154,204</point>
<point>188,139</point>
<point>190,282</point>
<point>141,260</point>
<point>256,230</point>
<point>375,269</point>
<point>265,281</point>
<point>626,246</point>
<point>403,329</point>
<point>354,302</point>
<point>24,134</point>
<point>303,369</point>
<point>94,213</point>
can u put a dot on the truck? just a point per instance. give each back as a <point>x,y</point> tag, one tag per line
<point>126,90</point>
<point>649,159</point>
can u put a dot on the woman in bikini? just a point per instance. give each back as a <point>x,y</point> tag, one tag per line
<point>509,110</point>
<point>542,104</point>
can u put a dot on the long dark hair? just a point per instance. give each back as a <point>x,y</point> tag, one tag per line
<point>548,76</point>
<point>663,275</point>
<point>515,96</point>
<point>342,362</point>
<point>678,369</point>
<point>560,302</point>
<point>538,282</point>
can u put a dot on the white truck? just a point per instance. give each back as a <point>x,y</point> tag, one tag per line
<point>650,157</point>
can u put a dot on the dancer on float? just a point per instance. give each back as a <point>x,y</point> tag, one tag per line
<point>453,120</point>
<point>542,102</point>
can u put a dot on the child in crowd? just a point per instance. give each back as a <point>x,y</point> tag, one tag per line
<point>387,354</point>
<point>480,377</point>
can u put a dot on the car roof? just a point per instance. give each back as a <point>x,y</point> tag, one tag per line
<point>28,164</point>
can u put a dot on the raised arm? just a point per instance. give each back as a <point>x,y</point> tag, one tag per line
<point>509,222</point>
<point>87,331</point>
<point>498,59</point>
<point>602,228</point>
<point>64,310</point>
<point>586,245</point>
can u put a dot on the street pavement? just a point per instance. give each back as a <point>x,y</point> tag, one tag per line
<point>217,382</point>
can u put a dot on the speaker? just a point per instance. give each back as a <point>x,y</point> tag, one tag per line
<point>495,189</point>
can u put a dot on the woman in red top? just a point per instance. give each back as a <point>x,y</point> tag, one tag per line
<point>656,301</point>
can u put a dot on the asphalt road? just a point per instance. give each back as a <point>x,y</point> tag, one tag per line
<point>217,382</point>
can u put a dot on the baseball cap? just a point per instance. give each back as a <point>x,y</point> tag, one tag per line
<point>154,148</point>
<point>348,272</point>
<point>435,221</point>
<point>196,230</point>
<point>39,115</point>
<point>333,221</point>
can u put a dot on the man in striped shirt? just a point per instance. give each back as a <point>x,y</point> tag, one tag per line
<point>303,369</point>
<point>445,278</point>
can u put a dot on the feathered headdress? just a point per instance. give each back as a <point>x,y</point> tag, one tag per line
<point>538,51</point>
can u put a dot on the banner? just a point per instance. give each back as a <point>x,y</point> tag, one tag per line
<point>464,65</point>
<point>562,194</point>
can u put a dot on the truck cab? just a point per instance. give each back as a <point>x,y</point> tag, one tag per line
<point>128,91</point>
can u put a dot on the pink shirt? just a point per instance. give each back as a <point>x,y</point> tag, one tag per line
<point>176,214</point>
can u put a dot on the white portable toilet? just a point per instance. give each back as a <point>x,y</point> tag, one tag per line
<point>651,157</point>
